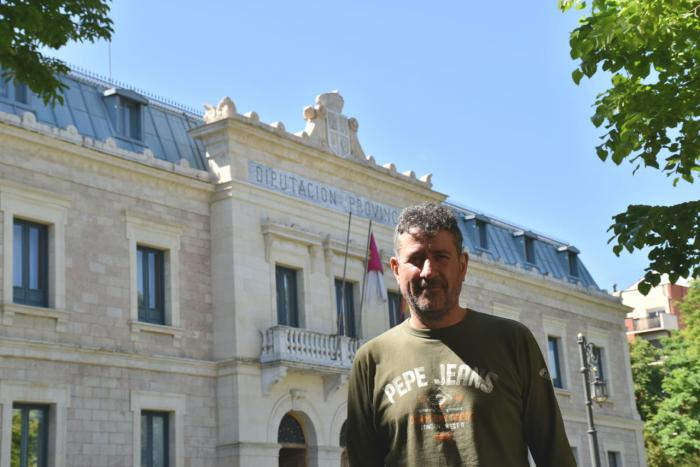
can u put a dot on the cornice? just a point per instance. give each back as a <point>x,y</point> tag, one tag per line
<point>66,353</point>
<point>237,126</point>
<point>555,287</point>
<point>103,153</point>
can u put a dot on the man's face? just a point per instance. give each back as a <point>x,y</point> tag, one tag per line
<point>430,271</point>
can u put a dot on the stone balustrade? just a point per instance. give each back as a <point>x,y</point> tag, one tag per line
<point>288,345</point>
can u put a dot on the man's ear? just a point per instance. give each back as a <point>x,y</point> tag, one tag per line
<point>464,263</point>
<point>394,265</point>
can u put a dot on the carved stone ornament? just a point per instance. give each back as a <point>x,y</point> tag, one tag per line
<point>330,129</point>
<point>225,109</point>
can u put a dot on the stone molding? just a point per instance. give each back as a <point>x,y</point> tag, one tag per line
<point>176,405</point>
<point>556,327</point>
<point>71,136</point>
<point>45,207</point>
<point>496,272</point>
<point>82,355</point>
<point>9,310</point>
<point>164,236</point>
<point>216,134</point>
<point>57,397</point>
<point>609,421</point>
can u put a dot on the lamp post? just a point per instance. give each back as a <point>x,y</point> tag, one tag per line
<point>589,361</point>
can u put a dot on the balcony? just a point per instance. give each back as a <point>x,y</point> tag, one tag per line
<point>661,322</point>
<point>286,348</point>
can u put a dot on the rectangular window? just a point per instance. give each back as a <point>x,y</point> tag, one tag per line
<point>395,311</point>
<point>287,303</point>
<point>131,119</point>
<point>482,234</point>
<point>573,264</point>
<point>155,439</point>
<point>614,459</point>
<point>30,435</point>
<point>150,284</point>
<point>554,356</point>
<point>530,250</point>
<point>346,310</point>
<point>30,263</point>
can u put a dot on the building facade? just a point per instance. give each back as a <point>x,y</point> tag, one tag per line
<point>172,285</point>
<point>656,314</point>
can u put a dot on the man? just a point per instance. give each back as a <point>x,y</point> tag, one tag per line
<point>449,386</point>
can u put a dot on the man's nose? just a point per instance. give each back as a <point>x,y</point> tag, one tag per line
<point>428,269</point>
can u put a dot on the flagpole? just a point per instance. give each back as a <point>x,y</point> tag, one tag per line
<point>341,320</point>
<point>364,275</point>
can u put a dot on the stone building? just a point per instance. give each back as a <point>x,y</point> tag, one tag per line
<point>170,285</point>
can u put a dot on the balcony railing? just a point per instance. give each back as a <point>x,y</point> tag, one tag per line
<point>664,321</point>
<point>301,347</point>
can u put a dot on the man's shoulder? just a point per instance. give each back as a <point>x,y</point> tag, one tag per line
<point>484,322</point>
<point>384,342</point>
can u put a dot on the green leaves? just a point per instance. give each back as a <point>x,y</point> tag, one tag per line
<point>27,26</point>
<point>667,390</point>
<point>630,39</point>
<point>650,113</point>
<point>672,232</point>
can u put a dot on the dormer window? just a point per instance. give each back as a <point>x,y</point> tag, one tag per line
<point>482,234</point>
<point>479,229</point>
<point>21,93</point>
<point>13,90</point>
<point>573,263</point>
<point>125,109</point>
<point>571,259</point>
<point>131,115</point>
<point>529,249</point>
<point>527,244</point>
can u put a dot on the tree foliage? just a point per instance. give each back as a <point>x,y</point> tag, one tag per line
<point>650,115</point>
<point>647,375</point>
<point>26,26</point>
<point>667,389</point>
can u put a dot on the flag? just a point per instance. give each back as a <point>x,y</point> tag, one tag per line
<point>375,292</point>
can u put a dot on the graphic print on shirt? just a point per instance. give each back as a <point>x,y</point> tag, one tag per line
<point>440,399</point>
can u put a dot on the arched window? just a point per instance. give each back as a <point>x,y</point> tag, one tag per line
<point>291,436</point>
<point>290,431</point>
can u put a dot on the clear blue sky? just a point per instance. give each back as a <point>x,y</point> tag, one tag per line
<point>477,93</point>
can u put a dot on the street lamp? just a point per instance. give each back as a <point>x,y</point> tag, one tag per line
<point>589,363</point>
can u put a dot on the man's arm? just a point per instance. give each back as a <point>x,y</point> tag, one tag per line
<point>543,424</point>
<point>364,447</point>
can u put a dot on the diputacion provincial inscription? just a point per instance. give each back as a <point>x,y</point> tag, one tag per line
<point>320,193</point>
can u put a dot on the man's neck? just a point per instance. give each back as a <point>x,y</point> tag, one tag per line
<point>453,317</point>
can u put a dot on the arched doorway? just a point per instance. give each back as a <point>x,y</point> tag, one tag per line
<point>291,436</point>
<point>344,461</point>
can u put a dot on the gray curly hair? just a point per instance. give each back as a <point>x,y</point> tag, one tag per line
<point>429,218</point>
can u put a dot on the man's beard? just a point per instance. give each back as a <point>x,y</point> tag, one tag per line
<point>424,307</point>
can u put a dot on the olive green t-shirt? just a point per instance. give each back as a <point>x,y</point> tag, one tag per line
<point>476,393</point>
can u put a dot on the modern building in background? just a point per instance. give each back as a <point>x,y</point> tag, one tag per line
<point>656,314</point>
<point>173,286</point>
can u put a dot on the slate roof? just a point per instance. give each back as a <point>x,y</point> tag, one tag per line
<point>165,124</point>
<point>506,243</point>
